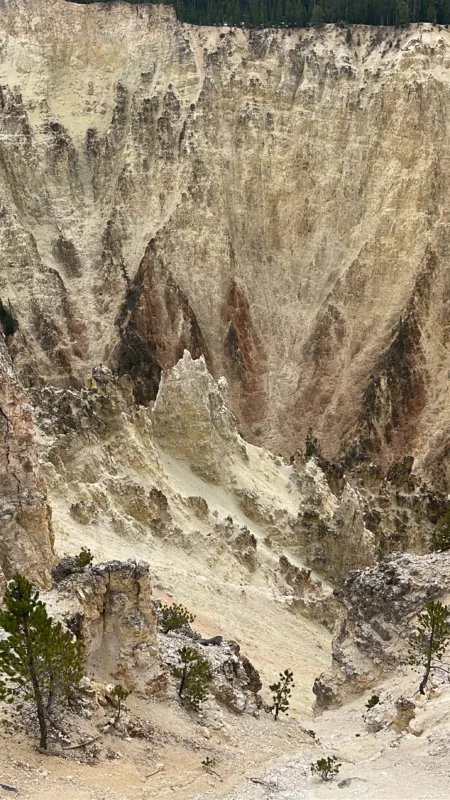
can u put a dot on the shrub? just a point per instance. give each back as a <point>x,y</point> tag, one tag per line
<point>194,672</point>
<point>326,768</point>
<point>281,692</point>
<point>174,617</point>
<point>312,446</point>
<point>119,695</point>
<point>372,702</point>
<point>440,540</point>
<point>209,765</point>
<point>84,558</point>
<point>39,661</point>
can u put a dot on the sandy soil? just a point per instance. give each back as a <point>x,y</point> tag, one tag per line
<point>256,758</point>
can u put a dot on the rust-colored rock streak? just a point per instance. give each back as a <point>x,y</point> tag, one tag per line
<point>244,360</point>
<point>273,200</point>
<point>157,324</point>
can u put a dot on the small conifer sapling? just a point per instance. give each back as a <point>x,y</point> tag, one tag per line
<point>372,702</point>
<point>432,639</point>
<point>120,694</point>
<point>39,660</point>
<point>174,617</point>
<point>312,446</point>
<point>326,768</point>
<point>440,540</point>
<point>194,673</point>
<point>84,558</point>
<point>281,692</point>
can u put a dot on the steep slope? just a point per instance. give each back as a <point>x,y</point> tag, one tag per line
<point>274,200</point>
<point>117,485</point>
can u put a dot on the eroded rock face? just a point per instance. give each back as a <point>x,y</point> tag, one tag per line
<point>307,593</point>
<point>26,538</point>
<point>156,325</point>
<point>333,539</point>
<point>381,604</point>
<point>98,453</point>
<point>191,419</point>
<point>188,196</point>
<point>100,460</point>
<point>352,517</point>
<point>112,614</point>
<point>234,681</point>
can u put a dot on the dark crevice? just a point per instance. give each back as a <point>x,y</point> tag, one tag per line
<point>156,324</point>
<point>8,321</point>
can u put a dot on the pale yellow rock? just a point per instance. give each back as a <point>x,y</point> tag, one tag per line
<point>277,200</point>
<point>26,535</point>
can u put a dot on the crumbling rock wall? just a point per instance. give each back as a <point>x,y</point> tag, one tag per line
<point>98,453</point>
<point>380,604</point>
<point>112,614</point>
<point>26,538</point>
<point>350,522</point>
<point>103,458</point>
<point>308,594</point>
<point>233,681</point>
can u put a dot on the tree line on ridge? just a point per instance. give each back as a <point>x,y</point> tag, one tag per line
<point>300,13</point>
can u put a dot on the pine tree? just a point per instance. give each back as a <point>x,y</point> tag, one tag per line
<point>432,639</point>
<point>440,541</point>
<point>326,768</point>
<point>256,13</point>
<point>84,558</point>
<point>431,12</point>
<point>194,671</point>
<point>316,16</point>
<point>312,445</point>
<point>403,15</point>
<point>39,661</point>
<point>281,691</point>
<point>174,617</point>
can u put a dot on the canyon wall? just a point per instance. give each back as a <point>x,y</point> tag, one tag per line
<point>272,200</point>
<point>26,542</point>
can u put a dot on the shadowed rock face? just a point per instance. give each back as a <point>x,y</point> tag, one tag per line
<point>244,359</point>
<point>156,325</point>
<point>274,201</point>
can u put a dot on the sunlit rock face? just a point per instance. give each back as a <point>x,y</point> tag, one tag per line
<point>380,606</point>
<point>191,420</point>
<point>273,200</point>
